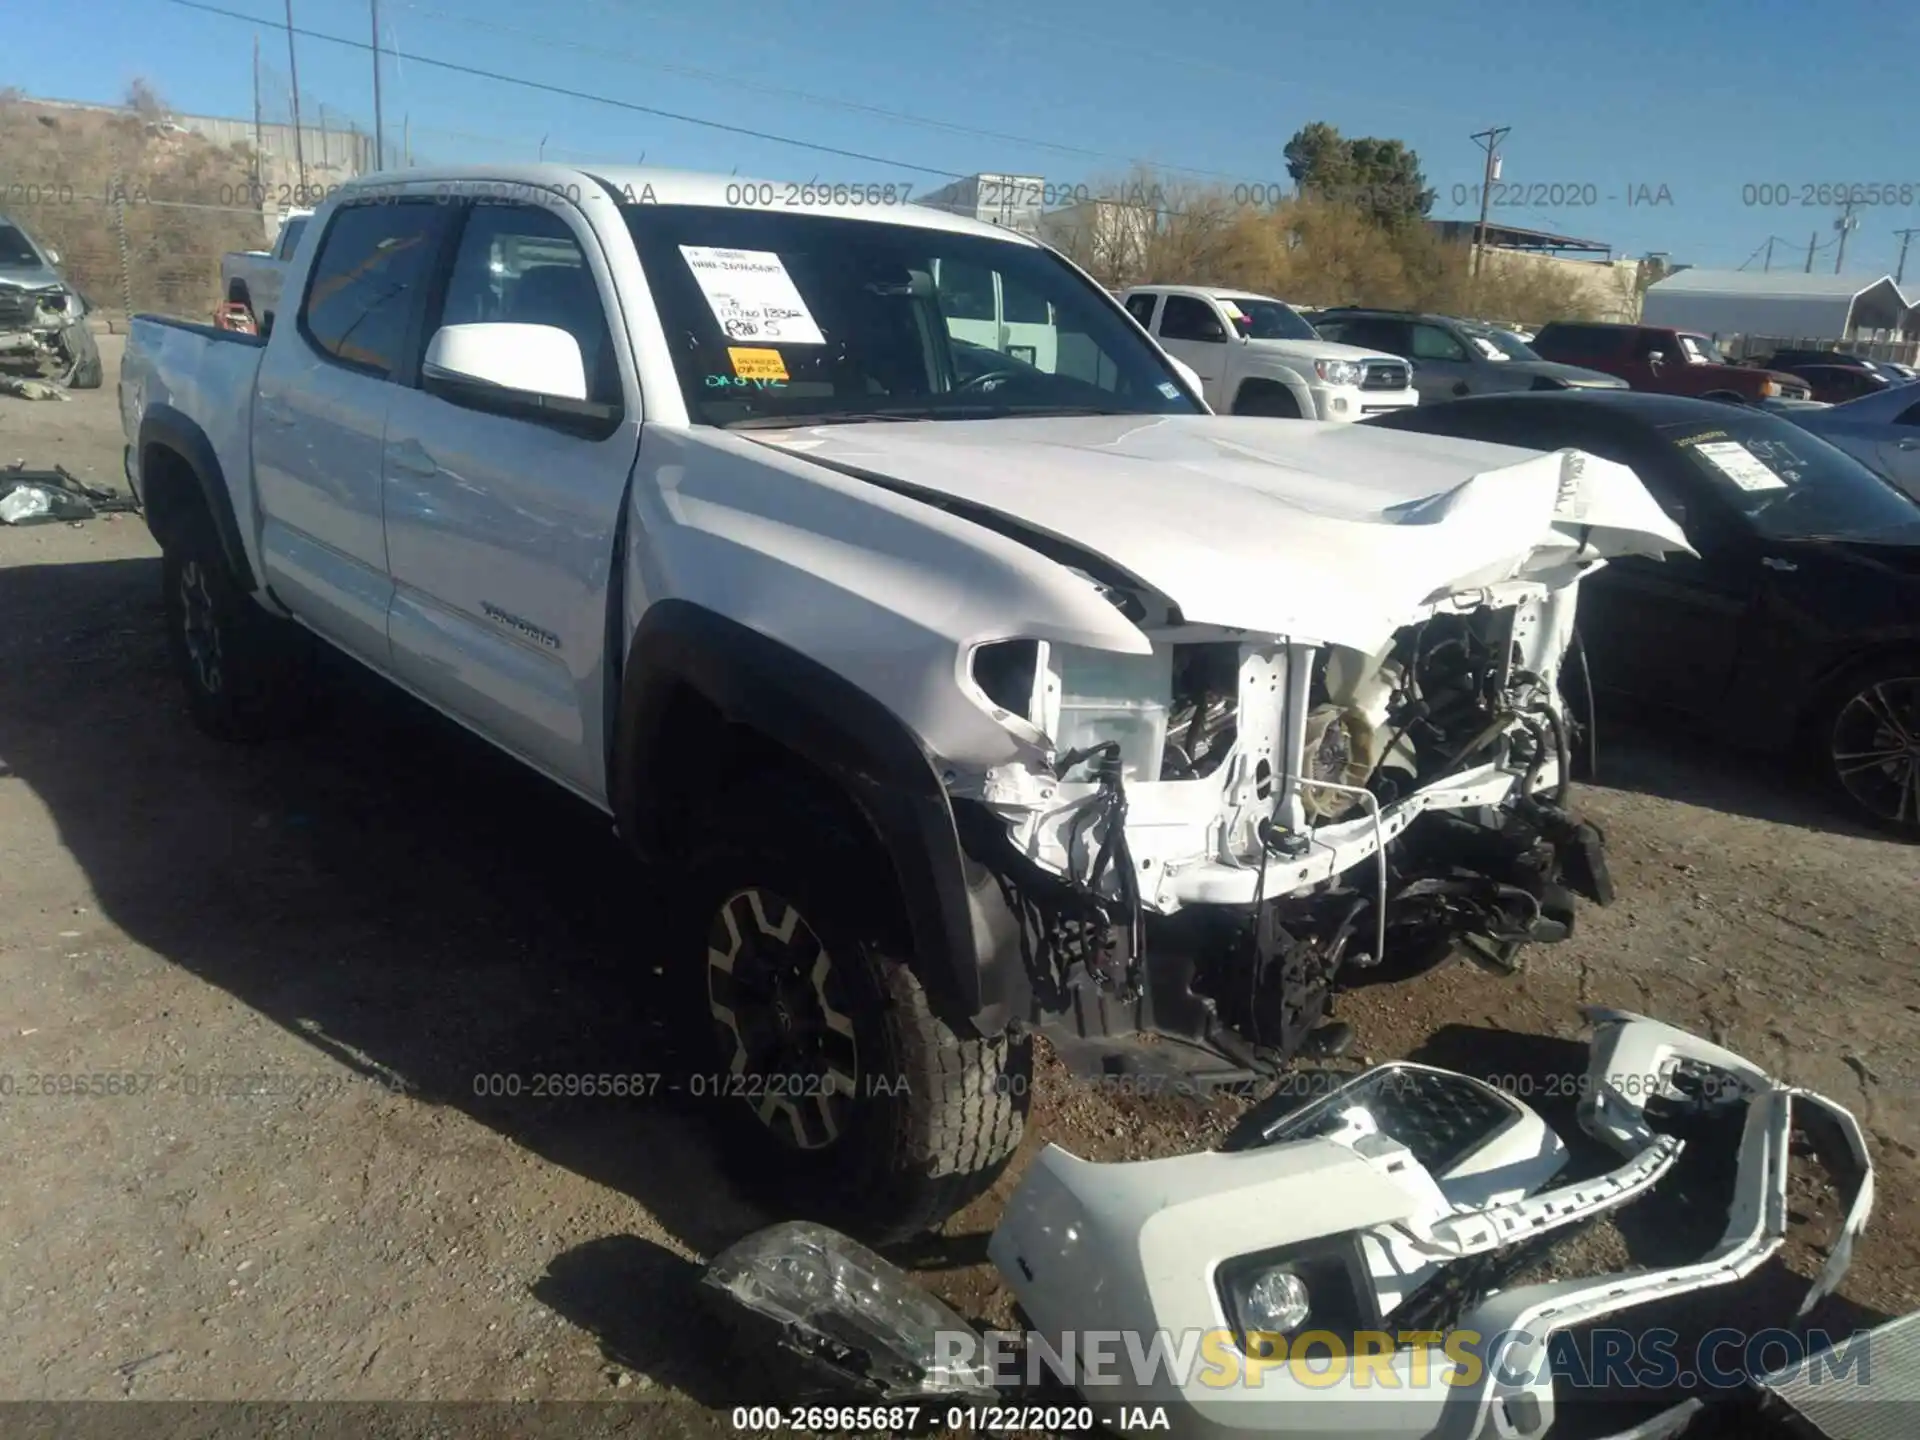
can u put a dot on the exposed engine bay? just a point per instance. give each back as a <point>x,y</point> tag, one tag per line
<point>1403,1214</point>
<point>43,334</point>
<point>1230,827</point>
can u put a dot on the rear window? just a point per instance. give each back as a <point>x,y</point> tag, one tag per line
<point>1577,340</point>
<point>372,262</point>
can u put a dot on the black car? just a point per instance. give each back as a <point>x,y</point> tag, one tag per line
<point>1837,384</point>
<point>1452,358</point>
<point>1787,359</point>
<point>1797,629</point>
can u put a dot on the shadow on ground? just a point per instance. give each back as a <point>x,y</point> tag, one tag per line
<point>386,887</point>
<point>1641,753</point>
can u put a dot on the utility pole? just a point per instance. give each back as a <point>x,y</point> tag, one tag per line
<point>1813,242</point>
<point>379,129</point>
<point>406,139</point>
<point>1767,264</point>
<point>259,134</point>
<point>293,75</point>
<point>1489,140</point>
<point>1845,225</point>
<point>1900,270</point>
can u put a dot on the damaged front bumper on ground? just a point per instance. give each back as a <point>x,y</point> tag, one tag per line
<point>1390,1218</point>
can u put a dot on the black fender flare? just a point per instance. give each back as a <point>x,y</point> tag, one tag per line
<point>966,949</point>
<point>162,427</point>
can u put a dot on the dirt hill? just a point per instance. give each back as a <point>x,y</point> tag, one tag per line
<point>184,201</point>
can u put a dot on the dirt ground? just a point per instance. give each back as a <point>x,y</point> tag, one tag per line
<point>376,917</point>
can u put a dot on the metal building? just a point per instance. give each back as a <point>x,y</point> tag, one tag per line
<point>1724,303</point>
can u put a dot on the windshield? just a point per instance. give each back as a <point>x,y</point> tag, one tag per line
<point>1268,320</point>
<point>1789,483</point>
<point>1508,344</point>
<point>14,248</point>
<point>774,317</point>
<point>1702,351</point>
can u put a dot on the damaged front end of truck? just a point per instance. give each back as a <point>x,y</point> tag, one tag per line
<point>1204,839</point>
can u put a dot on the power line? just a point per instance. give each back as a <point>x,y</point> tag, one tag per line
<point>503,79</point>
<point>785,92</point>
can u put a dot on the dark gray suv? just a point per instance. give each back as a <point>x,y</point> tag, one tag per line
<point>1454,358</point>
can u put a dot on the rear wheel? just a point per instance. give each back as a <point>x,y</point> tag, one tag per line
<point>243,668</point>
<point>843,1096</point>
<point>1868,738</point>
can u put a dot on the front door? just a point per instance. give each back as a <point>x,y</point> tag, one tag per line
<point>500,528</point>
<point>1443,369</point>
<point>1192,330</point>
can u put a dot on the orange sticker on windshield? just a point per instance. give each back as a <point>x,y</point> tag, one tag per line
<point>751,364</point>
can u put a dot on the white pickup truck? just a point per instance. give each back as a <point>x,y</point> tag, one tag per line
<point>1258,356</point>
<point>253,277</point>
<point>962,693</point>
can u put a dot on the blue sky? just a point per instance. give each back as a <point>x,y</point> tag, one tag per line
<point>1705,98</point>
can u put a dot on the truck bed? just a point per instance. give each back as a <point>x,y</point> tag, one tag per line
<point>204,373</point>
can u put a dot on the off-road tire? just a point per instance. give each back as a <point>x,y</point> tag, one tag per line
<point>84,351</point>
<point>253,683</point>
<point>1897,678</point>
<point>937,1111</point>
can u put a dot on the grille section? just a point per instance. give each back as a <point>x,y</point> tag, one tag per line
<point>1384,375</point>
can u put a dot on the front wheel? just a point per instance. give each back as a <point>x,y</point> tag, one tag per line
<point>83,355</point>
<point>844,1097</point>
<point>1869,745</point>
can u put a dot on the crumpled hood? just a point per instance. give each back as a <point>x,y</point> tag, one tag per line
<point>1318,531</point>
<point>30,277</point>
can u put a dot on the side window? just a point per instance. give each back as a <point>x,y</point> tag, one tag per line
<point>965,291</point>
<point>1021,305</point>
<point>1430,342</point>
<point>1369,333</point>
<point>1185,318</point>
<point>522,264</point>
<point>1647,344</point>
<point>372,263</point>
<point>290,236</point>
<point>1141,308</point>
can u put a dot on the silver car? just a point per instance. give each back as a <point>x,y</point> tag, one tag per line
<point>1882,431</point>
<point>43,318</point>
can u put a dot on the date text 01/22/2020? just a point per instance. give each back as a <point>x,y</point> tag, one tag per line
<point>970,1419</point>
<point>708,1085</point>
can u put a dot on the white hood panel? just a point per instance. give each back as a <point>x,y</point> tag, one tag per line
<point>1336,534</point>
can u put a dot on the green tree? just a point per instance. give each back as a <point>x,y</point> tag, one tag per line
<point>1380,178</point>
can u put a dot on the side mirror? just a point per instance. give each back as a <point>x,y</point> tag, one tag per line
<point>53,257</point>
<point>1654,357</point>
<point>532,361</point>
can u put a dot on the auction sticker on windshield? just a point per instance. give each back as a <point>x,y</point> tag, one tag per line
<point>1740,465</point>
<point>752,295</point>
<point>751,364</point>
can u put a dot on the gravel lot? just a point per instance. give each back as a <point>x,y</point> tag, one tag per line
<point>376,914</point>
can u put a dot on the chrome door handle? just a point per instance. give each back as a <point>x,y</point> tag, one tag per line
<point>1908,444</point>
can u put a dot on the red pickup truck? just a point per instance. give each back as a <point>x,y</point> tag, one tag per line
<point>1671,362</point>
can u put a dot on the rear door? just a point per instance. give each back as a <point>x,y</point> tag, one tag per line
<point>320,414</point>
<point>500,526</point>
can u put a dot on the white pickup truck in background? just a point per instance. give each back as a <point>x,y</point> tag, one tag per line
<point>965,680</point>
<point>253,277</point>
<point>1258,356</point>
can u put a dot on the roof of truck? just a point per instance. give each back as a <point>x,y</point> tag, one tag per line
<point>653,185</point>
